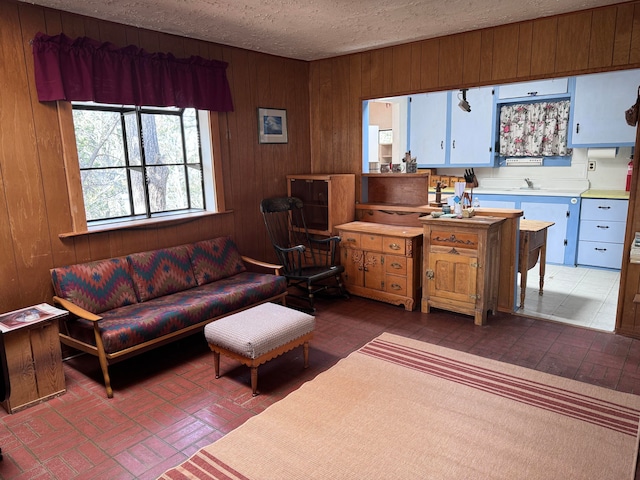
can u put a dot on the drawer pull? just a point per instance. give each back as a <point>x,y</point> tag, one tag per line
<point>600,249</point>
<point>396,265</point>
<point>394,246</point>
<point>603,226</point>
<point>351,240</point>
<point>430,274</point>
<point>395,286</point>
<point>606,207</point>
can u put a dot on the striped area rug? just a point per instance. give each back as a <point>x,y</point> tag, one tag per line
<point>403,409</point>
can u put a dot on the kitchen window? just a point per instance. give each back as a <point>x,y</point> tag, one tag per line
<point>534,129</point>
<point>137,163</point>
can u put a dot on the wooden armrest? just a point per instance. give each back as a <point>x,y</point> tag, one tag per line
<point>326,240</point>
<point>76,310</point>
<point>271,266</point>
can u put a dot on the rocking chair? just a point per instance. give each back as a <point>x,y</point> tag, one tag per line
<point>309,263</point>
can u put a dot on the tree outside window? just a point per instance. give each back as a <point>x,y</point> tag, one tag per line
<point>137,162</point>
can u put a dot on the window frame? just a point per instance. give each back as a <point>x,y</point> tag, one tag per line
<point>212,175</point>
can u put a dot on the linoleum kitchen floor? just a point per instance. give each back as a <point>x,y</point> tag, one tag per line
<point>167,403</point>
<point>581,296</point>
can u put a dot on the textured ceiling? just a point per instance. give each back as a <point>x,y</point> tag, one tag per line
<point>315,29</point>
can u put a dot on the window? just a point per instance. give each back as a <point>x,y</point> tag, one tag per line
<point>142,162</point>
<point>534,129</point>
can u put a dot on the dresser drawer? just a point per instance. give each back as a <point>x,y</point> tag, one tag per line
<point>349,239</point>
<point>371,242</point>
<point>394,245</point>
<point>443,238</point>
<point>602,231</point>
<point>395,284</point>
<point>395,265</point>
<point>600,254</point>
<point>604,209</point>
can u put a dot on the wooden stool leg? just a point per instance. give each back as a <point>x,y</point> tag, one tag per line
<point>216,363</point>
<point>305,349</point>
<point>254,380</point>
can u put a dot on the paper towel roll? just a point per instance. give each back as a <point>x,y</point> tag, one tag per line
<point>602,152</point>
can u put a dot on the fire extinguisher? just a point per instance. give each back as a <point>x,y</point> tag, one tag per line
<point>629,174</point>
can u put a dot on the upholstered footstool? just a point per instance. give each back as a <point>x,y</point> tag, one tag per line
<point>258,334</point>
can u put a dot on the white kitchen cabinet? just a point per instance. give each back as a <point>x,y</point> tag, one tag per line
<point>537,88</point>
<point>472,132</point>
<point>599,103</point>
<point>602,229</point>
<point>428,128</point>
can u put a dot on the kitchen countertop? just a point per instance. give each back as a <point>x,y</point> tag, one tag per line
<point>613,194</point>
<point>540,192</point>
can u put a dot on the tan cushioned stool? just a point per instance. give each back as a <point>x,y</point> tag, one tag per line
<point>258,334</point>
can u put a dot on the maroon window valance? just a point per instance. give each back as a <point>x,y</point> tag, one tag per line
<point>87,70</point>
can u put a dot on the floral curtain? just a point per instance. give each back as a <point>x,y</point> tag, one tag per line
<point>83,69</point>
<point>534,129</point>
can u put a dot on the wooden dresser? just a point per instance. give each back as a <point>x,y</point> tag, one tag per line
<point>382,262</point>
<point>462,265</point>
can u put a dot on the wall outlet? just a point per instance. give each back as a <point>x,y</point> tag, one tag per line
<point>591,165</point>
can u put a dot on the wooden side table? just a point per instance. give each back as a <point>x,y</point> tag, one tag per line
<point>533,244</point>
<point>34,363</point>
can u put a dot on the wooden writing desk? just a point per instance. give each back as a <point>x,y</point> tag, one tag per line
<point>533,243</point>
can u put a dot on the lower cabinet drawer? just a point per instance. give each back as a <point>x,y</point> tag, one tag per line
<point>396,284</point>
<point>602,231</point>
<point>395,265</point>
<point>600,254</point>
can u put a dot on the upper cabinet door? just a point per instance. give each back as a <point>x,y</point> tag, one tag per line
<point>428,128</point>
<point>472,132</point>
<point>538,88</point>
<point>599,103</point>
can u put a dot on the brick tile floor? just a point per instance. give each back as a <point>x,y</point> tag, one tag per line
<point>167,403</point>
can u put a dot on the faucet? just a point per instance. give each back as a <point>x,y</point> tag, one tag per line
<point>529,182</point>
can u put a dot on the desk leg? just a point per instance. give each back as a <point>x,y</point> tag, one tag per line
<point>524,267</point>
<point>543,261</point>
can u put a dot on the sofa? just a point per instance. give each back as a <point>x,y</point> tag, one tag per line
<point>124,306</point>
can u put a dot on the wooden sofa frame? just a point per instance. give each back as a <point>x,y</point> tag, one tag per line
<point>107,359</point>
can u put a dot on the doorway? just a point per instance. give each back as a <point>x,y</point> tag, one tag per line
<point>580,296</point>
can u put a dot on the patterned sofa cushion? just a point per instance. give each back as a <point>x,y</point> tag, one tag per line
<point>215,259</point>
<point>161,272</point>
<point>129,326</point>
<point>97,286</point>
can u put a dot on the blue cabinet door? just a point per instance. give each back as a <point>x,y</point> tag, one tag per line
<point>562,238</point>
<point>554,211</point>
<point>536,88</point>
<point>599,103</point>
<point>428,120</point>
<point>472,132</point>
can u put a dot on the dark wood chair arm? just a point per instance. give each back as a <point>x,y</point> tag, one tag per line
<point>76,310</point>
<point>335,239</point>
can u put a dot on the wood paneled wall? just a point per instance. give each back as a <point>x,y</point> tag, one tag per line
<point>595,40</point>
<point>34,205</point>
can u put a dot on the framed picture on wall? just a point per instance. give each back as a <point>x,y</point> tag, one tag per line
<point>272,125</point>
